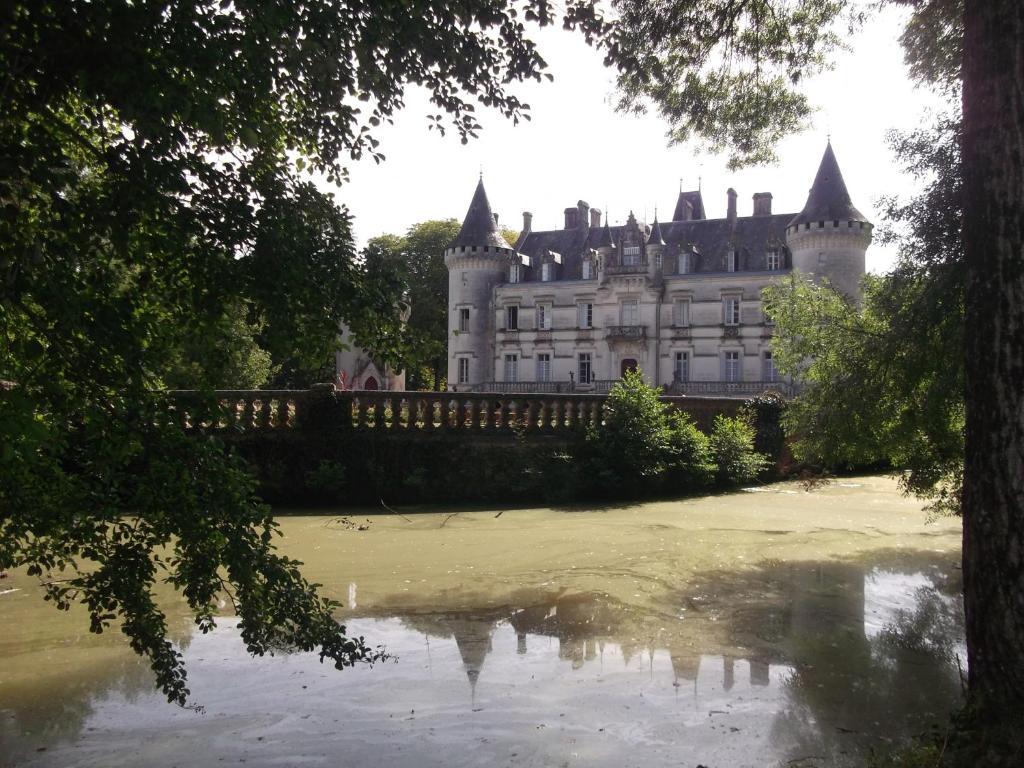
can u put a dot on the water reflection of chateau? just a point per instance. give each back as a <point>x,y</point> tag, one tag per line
<point>840,682</point>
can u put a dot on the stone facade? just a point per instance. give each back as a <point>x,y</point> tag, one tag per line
<point>572,309</point>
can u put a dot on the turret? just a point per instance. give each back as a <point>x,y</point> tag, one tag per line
<point>477,259</point>
<point>655,248</point>
<point>829,237</point>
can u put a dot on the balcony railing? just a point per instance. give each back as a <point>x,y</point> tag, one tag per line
<point>730,388</point>
<point>626,332</point>
<point>626,269</point>
<point>524,387</point>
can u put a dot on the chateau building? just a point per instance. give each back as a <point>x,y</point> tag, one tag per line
<point>574,308</point>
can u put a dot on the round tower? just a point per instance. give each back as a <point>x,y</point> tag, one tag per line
<point>478,259</point>
<point>829,237</point>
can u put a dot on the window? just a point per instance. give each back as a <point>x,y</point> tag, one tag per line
<point>514,273</point>
<point>544,367</point>
<point>511,367</point>
<point>464,320</point>
<point>543,317</point>
<point>587,269</point>
<point>586,371</point>
<point>512,318</point>
<point>463,370</point>
<point>768,372</point>
<point>586,313</point>
<point>774,260</point>
<point>631,255</point>
<point>681,313</point>
<point>685,264</point>
<point>681,367</point>
<point>732,261</point>
<point>630,313</point>
<point>731,310</point>
<point>657,261</point>
<point>547,269</point>
<point>731,366</point>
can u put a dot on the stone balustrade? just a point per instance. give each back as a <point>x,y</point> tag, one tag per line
<point>478,413</point>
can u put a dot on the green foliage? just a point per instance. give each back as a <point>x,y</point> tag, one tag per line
<point>884,381</point>
<point>727,73</point>
<point>732,446</point>
<point>418,260</point>
<point>644,448</point>
<point>156,209</point>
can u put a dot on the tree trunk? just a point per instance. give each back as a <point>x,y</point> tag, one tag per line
<point>993,503</point>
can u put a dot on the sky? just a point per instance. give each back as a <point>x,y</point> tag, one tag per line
<point>578,147</point>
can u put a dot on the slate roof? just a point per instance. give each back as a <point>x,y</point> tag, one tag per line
<point>479,227</point>
<point>656,237</point>
<point>709,239</point>
<point>828,199</point>
<point>696,202</point>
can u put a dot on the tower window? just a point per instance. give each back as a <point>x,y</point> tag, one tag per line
<point>464,320</point>
<point>463,370</point>
<point>513,273</point>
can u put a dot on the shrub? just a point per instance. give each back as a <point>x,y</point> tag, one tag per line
<point>732,445</point>
<point>635,446</point>
<point>693,466</point>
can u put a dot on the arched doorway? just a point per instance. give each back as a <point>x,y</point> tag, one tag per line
<point>628,364</point>
<point>371,383</point>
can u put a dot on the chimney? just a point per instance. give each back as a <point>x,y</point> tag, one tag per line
<point>583,220</point>
<point>495,219</point>
<point>731,211</point>
<point>527,222</point>
<point>595,218</point>
<point>762,203</point>
<point>571,218</point>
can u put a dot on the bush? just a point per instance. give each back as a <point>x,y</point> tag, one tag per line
<point>693,466</point>
<point>634,448</point>
<point>732,445</point>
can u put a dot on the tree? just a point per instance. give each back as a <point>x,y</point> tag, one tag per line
<point>153,181</point>
<point>879,382</point>
<point>418,257</point>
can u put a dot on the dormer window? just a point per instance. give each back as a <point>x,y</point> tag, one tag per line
<point>685,264</point>
<point>774,260</point>
<point>547,272</point>
<point>587,269</point>
<point>631,255</point>
<point>732,260</point>
<point>514,273</point>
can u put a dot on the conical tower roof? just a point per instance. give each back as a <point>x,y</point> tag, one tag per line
<point>828,198</point>
<point>602,237</point>
<point>656,238</point>
<point>479,227</point>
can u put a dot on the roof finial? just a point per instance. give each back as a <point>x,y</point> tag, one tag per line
<point>680,184</point>
<point>700,181</point>
<point>481,171</point>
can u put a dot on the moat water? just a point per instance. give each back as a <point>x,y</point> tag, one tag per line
<point>772,626</point>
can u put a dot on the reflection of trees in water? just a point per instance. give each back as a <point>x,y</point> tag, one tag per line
<point>49,710</point>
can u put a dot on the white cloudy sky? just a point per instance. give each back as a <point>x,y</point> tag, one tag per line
<point>577,146</point>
